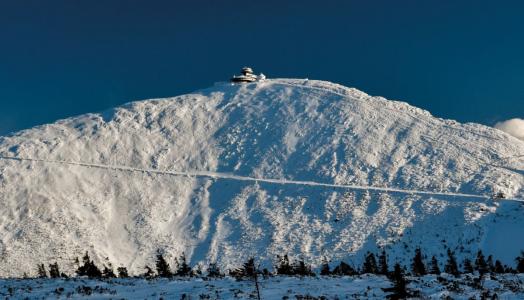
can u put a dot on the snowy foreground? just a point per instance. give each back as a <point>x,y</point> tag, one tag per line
<point>508,286</point>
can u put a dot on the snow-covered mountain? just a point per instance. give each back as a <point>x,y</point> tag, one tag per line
<point>308,168</point>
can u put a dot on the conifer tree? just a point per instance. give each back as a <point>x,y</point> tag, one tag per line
<point>108,272</point>
<point>499,268</point>
<point>266,273</point>
<point>344,269</point>
<point>42,273</point>
<point>434,268</point>
<point>399,289</point>
<point>183,268</point>
<point>122,272</point>
<point>149,274</point>
<point>418,267</point>
<point>89,268</point>
<point>508,269</point>
<point>213,271</point>
<point>490,264</point>
<point>284,267</point>
<point>324,269</point>
<point>383,263</point>
<point>54,271</point>
<point>197,271</point>
<point>520,263</point>
<point>468,266</point>
<point>451,265</point>
<point>248,270</point>
<point>370,264</point>
<point>162,267</point>
<point>301,269</point>
<point>480,264</point>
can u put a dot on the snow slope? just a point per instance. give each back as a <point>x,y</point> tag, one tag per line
<point>308,168</point>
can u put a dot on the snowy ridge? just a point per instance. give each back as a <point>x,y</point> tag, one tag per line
<point>303,167</point>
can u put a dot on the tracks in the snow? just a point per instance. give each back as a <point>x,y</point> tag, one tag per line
<point>253,179</point>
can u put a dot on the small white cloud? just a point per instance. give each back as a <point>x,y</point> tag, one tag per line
<point>514,127</point>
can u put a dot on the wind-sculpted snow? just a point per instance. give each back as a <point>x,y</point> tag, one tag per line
<point>308,168</point>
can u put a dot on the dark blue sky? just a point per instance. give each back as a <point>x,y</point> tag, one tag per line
<point>462,60</point>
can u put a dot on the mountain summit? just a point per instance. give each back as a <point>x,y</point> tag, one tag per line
<point>306,168</point>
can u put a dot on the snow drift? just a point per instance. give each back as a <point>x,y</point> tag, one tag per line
<point>308,168</point>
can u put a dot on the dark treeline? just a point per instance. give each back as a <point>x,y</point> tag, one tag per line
<point>373,264</point>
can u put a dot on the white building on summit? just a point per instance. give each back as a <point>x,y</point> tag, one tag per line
<point>246,76</point>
